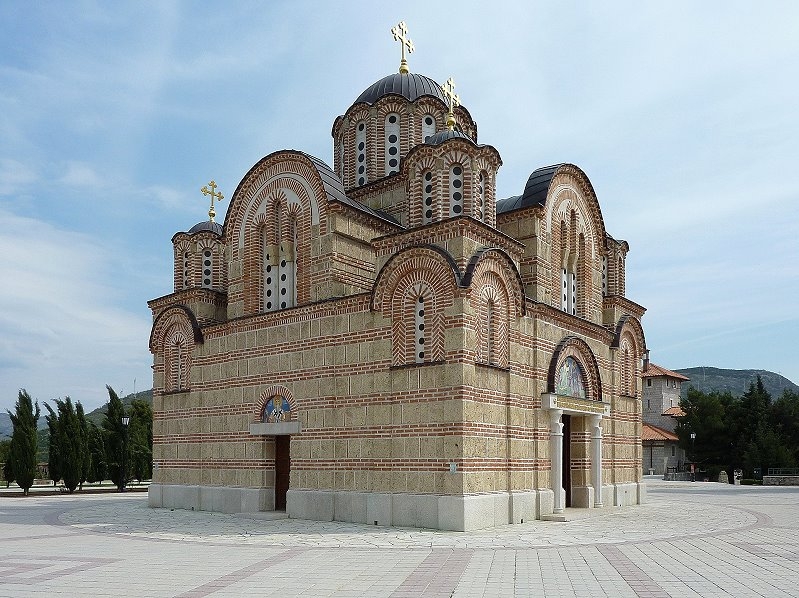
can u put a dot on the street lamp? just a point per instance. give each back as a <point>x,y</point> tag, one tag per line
<point>693,457</point>
<point>123,483</point>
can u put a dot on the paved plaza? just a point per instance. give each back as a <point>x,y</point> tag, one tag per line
<point>688,540</point>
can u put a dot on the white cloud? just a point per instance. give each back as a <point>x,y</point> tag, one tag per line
<point>14,176</point>
<point>79,174</point>
<point>61,333</point>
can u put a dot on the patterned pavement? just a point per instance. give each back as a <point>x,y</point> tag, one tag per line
<point>689,540</point>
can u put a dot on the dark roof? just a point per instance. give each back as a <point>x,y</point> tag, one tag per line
<point>442,136</point>
<point>408,85</point>
<point>535,191</point>
<point>335,190</point>
<point>214,227</point>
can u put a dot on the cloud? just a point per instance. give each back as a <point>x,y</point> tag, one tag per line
<point>61,333</point>
<point>79,174</point>
<point>14,176</point>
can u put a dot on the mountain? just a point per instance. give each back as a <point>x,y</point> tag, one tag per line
<point>708,379</point>
<point>96,416</point>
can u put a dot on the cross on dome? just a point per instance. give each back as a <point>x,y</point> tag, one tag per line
<point>400,33</point>
<point>454,101</point>
<point>214,195</point>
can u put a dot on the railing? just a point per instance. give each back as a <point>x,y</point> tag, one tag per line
<point>783,471</point>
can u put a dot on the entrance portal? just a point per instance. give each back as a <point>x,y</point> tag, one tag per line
<point>567,461</point>
<point>282,469</point>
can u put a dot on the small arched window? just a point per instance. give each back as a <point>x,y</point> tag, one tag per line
<point>360,153</point>
<point>392,145</point>
<point>428,126</point>
<point>479,197</point>
<point>427,197</point>
<point>208,267</point>
<point>270,272</point>
<point>455,190</point>
<point>186,269</point>
<point>177,363</point>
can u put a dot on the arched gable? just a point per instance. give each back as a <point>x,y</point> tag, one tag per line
<point>496,260</point>
<point>631,326</point>
<point>425,272</point>
<point>577,349</point>
<point>178,316</point>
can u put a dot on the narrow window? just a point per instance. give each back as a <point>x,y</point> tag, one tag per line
<point>392,131</point>
<point>186,270</point>
<point>207,268</point>
<point>490,333</point>
<point>428,126</point>
<point>673,450</point>
<point>419,332</point>
<point>564,284</point>
<point>479,199</point>
<point>572,307</point>
<point>455,190</point>
<point>649,381</point>
<point>270,273</point>
<point>427,197</point>
<point>178,366</point>
<point>287,268</point>
<point>360,152</point>
<point>604,276</point>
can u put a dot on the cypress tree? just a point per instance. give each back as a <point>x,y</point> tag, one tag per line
<point>141,440</point>
<point>53,454</point>
<point>97,469</point>
<point>70,437</point>
<point>24,441</point>
<point>115,432</point>
<point>85,455</point>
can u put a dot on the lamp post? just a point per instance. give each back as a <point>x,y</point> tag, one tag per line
<point>693,457</point>
<point>123,483</point>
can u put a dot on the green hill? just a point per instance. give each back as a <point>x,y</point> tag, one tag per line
<point>709,379</point>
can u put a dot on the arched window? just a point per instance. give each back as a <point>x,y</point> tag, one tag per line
<point>428,126</point>
<point>186,270</point>
<point>455,190</point>
<point>287,268</point>
<point>208,267</point>
<point>490,332</point>
<point>479,197</point>
<point>360,153</point>
<point>392,131</point>
<point>419,334</point>
<point>427,197</point>
<point>177,363</point>
<point>270,271</point>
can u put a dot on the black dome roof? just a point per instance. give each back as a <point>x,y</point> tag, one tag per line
<point>408,85</point>
<point>214,227</point>
<point>442,136</point>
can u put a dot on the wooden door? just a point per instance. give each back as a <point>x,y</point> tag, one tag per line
<point>567,465</point>
<point>282,469</point>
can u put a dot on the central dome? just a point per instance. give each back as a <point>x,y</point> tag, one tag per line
<point>409,85</point>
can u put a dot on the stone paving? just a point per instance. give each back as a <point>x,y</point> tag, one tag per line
<point>689,540</point>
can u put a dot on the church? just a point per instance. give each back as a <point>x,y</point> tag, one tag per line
<point>385,341</point>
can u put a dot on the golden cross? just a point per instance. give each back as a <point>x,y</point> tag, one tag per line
<point>400,33</point>
<point>454,100</point>
<point>214,195</point>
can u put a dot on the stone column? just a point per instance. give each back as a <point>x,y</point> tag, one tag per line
<point>556,457</point>
<point>596,459</point>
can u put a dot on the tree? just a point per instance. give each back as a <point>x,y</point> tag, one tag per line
<point>70,443</point>
<point>115,440</point>
<point>706,415</point>
<point>23,441</point>
<point>83,437</point>
<point>97,468</point>
<point>53,456</point>
<point>5,459</point>
<point>141,440</point>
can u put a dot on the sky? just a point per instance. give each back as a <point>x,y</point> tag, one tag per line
<point>113,115</point>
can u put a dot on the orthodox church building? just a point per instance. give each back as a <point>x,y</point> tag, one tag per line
<point>385,341</point>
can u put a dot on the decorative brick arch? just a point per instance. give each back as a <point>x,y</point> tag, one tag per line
<point>271,392</point>
<point>436,271</point>
<point>173,337</point>
<point>577,349</point>
<point>630,345</point>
